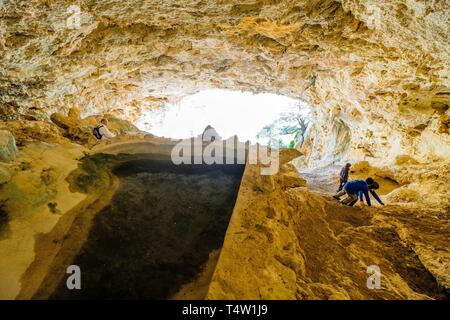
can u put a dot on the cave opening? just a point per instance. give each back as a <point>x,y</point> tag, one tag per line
<point>264,118</point>
<point>376,73</point>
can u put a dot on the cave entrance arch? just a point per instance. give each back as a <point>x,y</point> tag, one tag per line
<point>265,118</point>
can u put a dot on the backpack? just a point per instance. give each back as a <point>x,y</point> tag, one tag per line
<point>96,132</point>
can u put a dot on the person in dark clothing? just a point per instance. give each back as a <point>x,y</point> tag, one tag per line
<point>355,188</point>
<point>343,176</point>
<point>210,134</point>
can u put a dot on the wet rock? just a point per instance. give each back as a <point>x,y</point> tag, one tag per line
<point>53,207</point>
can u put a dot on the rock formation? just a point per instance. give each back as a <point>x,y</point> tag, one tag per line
<point>8,149</point>
<point>310,247</point>
<point>376,75</point>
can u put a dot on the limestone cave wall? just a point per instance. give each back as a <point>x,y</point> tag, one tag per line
<point>379,68</point>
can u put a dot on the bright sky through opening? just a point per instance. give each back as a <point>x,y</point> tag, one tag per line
<point>229,112</point>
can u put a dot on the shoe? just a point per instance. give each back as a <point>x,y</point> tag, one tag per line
<point>337,198</point>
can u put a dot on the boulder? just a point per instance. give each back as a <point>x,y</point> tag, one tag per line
<point>287,155</point>
<point>25,131</point>
<point>63,121</point>
<point>73,127</point>
<point>8,148</point>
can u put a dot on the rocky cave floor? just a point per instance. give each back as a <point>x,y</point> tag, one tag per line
<point>395,238</point>
<point>316,248</point>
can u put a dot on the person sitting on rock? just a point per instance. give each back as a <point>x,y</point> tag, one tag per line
<point>355,188</point>
<point>210,134</point>
<point>343,176</point>
<point>103,131</point>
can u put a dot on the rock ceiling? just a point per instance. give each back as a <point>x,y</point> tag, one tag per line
<point>376,73</point>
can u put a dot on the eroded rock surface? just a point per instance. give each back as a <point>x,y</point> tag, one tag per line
<point>283,241</point>
<point>298,244</point>
<point>8,148</point>
<point>375,72</point>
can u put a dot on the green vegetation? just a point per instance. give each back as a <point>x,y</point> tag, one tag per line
<point>287,131</point>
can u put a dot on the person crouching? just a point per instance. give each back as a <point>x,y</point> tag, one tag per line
<point>355,188</point>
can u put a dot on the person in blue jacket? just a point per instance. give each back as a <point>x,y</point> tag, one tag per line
<point>355,188</point>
